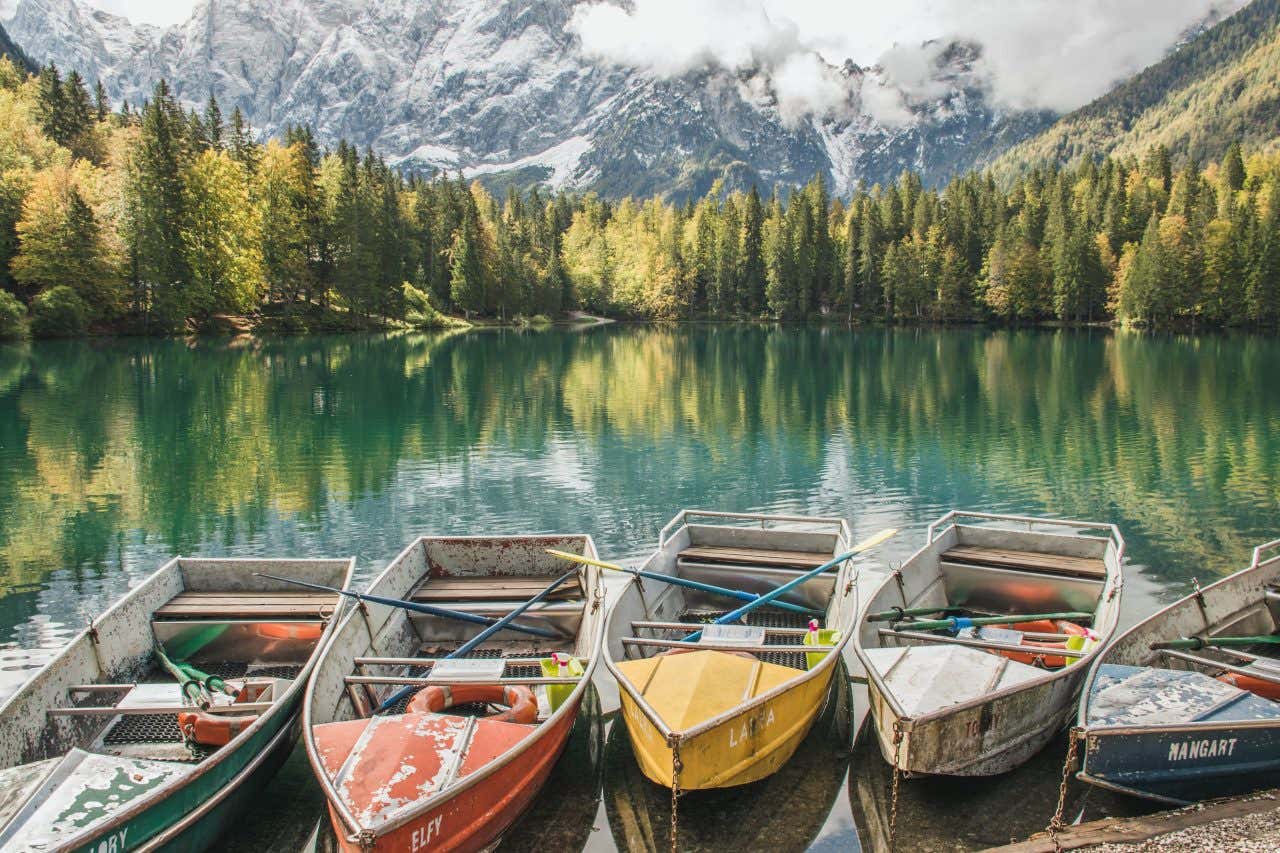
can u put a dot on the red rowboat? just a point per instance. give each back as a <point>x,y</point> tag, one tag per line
<point>437,771</point>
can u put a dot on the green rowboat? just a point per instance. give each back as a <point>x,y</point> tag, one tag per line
<point>94,755</point>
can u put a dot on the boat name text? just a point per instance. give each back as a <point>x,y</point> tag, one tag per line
<point>421,837</point>
<point>1214,748</point>
<point>112,844</point>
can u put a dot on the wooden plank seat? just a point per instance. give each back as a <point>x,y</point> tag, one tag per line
<point>248,605</point>
<point>725,555</point>
<point>1092,568</point>
<point>485,589</point>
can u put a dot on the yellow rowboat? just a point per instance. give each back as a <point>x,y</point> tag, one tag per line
<point>732,707</point>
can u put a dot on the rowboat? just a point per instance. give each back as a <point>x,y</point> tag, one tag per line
<point>957,699</point>
<point>106,749</point>
<point>1178,725</point>
<point>734,704</point>
<point>406,761</point>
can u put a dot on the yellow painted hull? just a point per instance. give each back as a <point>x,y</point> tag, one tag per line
<point>743,746</point>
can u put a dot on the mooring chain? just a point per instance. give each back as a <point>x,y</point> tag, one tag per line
<point>676,766</point>
<point>1055,823</point>
<point>897,777</point>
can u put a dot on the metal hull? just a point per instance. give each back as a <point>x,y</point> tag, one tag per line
<point>1182,766</point>
<point>739,748</point>
<point>1185,762</point>
<point>1000,728</point>
<point>476,817</point>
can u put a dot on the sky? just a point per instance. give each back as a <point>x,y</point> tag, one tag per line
<point>1051,54</point>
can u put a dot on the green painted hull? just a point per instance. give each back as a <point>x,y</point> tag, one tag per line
<point>192,816</point>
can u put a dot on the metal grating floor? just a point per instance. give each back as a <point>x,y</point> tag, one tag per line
<point>765,617</point>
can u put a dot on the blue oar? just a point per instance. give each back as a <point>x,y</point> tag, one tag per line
<point>768,597</point>
<point>414,606</point>
<point>481,637</point>
<point>677,581</point>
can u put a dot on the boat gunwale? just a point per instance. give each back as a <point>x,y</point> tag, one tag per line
<point>1256,564</point>
<point>233,747</point>
<point>1112,588</point>
<point>845,576</point>
<point>412,811</point>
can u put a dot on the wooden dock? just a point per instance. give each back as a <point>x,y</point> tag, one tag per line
<point>1135,830</point>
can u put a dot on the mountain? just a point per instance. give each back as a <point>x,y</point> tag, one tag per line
<point>1217,88</point>
<point>11,50</point>
<point>501,91</point>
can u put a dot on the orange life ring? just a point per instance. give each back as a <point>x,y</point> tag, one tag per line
<point>522,707</point>
<point>291,630</point>
<point>212,729</point>
<point>1256,686</point>
<point>1043,626</point>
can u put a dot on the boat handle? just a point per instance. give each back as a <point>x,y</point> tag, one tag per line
<point>1262,549</point>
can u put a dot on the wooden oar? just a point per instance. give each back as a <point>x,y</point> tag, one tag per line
<point>1196,643</point>
<point>685,582</point>
<point>957,623</point>
<point>417,607</point>
<point>768,597</point>
<point>483,635</point>
<point>901,613</point>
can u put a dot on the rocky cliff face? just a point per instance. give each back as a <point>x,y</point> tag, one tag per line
<point>501,90</point>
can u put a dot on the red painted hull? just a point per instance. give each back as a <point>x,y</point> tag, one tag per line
<point>476,817</point>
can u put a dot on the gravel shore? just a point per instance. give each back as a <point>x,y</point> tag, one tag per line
<point>1255,833</point>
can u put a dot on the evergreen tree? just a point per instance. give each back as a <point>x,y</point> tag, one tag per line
<point>751,253</point>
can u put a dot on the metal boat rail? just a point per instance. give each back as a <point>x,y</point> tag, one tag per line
<point>1273,545</point>
<point>1031,521</point>
<point>842,526</point>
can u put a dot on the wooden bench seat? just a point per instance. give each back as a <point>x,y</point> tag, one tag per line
<point>248,605</point>
<point>754,557</point>
<point>1092,568</point>
<point>502,588</point>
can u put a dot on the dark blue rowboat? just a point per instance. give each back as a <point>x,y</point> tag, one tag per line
<point>1162,725</point>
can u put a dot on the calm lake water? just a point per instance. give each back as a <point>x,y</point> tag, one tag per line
<point>116,455</point>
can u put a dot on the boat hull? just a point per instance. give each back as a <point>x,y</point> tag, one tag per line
<point>739,748</point>
<point>983,740</point>
<point>1182,766</point>
<point>477,816</point>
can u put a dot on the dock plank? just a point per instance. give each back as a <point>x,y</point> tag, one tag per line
<point>1029,561</point>
<point>754,556</point>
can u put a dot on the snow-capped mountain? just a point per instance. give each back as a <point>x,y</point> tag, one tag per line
<point>500,89</point>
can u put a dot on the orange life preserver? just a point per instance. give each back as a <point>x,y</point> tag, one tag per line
<point>212,729</point>
<point>291,630</point>
<point>1256,686</point>
<point>1043,626</point>
<point>522,707</point>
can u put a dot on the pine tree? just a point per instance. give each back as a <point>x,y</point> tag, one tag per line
<point>1233,168</point>
<point>752,254</point>
<point>213,129</point>
<point>101,103</point>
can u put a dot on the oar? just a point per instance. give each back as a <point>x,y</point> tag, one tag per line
<point>185,681</point>
<point>416,607</point>
<point>768,597</point>
<point>1195,643</point>
<point>676,581</point>
<point>901,613</point>
<point>956,623</point>
<point>483,635</point>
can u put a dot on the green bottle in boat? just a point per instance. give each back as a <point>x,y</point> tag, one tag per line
<point>560,665</point>
<point>818,637</point>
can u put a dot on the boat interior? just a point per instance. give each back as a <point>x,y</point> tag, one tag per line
<point>483,577</point>
<point>1059,581</point>
<point>105,711</point>
<point>1140,681</point>
<point>743,554</point>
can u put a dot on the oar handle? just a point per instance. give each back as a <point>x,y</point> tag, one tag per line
<point>958,623</point>
<point>899,613</point>
<point>1197,643</point>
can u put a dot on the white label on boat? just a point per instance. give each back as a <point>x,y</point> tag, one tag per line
<point>733,635</point>
<point>1001,635</point>
<point>463,669</point>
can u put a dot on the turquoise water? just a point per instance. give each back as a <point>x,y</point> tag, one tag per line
<point>117,454</point>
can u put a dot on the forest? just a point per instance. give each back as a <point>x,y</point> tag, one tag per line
<point>159,220</point>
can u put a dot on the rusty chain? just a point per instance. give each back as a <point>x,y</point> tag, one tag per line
<point>676,766</point>
<point>897,778</point>
<point>1055,823</point>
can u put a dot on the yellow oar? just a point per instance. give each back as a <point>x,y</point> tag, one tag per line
<point>677,581</point>
<point>769,597</point>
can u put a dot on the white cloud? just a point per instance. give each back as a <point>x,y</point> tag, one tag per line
<point>161,13</point>
<point>1055,54</point>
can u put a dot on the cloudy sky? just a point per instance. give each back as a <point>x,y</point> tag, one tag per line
<point>1057,54</point>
